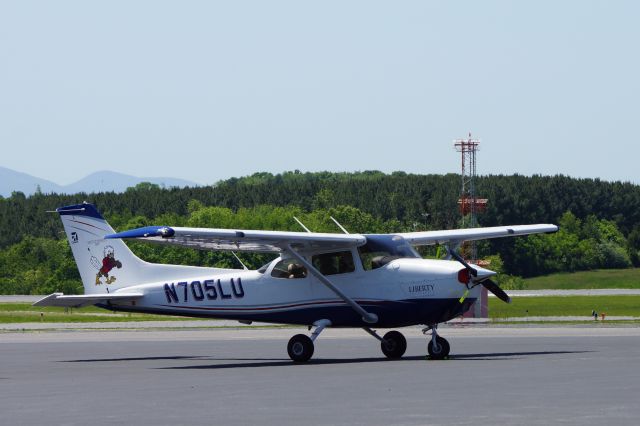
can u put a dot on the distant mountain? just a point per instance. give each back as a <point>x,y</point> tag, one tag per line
<point>103,181</point>
<point>10,181</point>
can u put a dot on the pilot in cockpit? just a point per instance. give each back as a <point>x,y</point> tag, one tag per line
<point>296,271</point>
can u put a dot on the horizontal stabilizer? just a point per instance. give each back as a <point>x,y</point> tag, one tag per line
<point>77,301</point>
<point>145,232</point>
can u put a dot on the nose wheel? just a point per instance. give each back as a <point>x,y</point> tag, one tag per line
<point>438,350</point>
<point>438,347</point>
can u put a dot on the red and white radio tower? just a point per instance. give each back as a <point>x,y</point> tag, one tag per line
<point>468,203</point>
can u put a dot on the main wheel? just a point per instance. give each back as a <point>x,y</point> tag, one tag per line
<point>300,348</point>
<point>393,345</point>
<point>442,349</point>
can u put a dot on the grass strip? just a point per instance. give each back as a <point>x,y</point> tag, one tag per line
<point>24,312</point>
<point>586,280</point>
<point>565,306</point>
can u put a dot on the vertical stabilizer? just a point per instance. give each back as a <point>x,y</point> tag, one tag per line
<point>104,265</point>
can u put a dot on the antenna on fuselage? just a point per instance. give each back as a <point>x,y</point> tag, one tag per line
<point>339,226</point>
<point>238,259</point>
<point>301,224</point>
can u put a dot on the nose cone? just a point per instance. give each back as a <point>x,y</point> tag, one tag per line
<point>483,273</point>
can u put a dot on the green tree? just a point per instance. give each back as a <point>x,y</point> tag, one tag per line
<point>143,186</point>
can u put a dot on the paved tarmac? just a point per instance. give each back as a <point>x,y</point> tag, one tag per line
<point>584,375</point>
<point>135,325</point>
<point>17,298</point>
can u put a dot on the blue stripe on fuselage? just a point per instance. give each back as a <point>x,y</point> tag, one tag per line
<point>390,313</point>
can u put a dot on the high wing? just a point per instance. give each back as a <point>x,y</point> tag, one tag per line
<point>242,240</point>
<point>457,236</point>
<point>279,241</point>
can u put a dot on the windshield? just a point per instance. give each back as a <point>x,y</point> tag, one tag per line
<point>264,267</point>
<point>382,249</point>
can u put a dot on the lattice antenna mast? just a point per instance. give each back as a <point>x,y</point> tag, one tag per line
<point>469,204</point>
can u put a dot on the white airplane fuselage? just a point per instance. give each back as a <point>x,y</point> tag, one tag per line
<point>403,292</point>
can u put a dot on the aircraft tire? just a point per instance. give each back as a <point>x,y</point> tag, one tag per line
<point>393,345</point>
<point>300,348</point>
<point>443,348</point>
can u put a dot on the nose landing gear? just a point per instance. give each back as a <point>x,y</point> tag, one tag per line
<point>438,347</point>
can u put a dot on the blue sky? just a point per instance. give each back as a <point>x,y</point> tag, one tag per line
<point>210,90</point>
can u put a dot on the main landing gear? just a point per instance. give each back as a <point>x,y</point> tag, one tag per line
<point>393,344</point>
<point>300,347</point>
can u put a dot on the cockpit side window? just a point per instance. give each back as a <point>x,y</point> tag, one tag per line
<point>374,259</point>
<point>289,268</point>
<point>334,263</point>
<point>382,249</point>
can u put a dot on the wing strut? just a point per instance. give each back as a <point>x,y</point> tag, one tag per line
<point>301,224</point>
<point>338,223</point>
<point>367,317</point>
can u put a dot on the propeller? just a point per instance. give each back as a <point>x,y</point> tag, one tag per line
<point>491,285</point>
<point>487,282</point>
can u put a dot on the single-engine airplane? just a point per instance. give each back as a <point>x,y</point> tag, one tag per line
<point>319,279</point>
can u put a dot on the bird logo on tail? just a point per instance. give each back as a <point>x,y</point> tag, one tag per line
<point>109,262</point>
